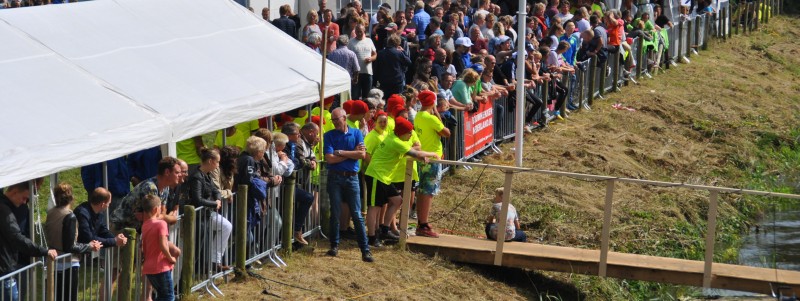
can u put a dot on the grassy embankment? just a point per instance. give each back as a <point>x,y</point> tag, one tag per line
<point>729,118</point>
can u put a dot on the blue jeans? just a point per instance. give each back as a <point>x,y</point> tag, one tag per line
<point>163,286</point>
<point>573,89</point>
<point>302,204</point>
<point>10,290</point>
<point>346,189</point>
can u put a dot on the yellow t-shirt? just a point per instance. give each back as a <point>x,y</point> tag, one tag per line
<point>353,124</point>
<point>239,138</point>
<point>399,174</point>
<point>387,157</point>
<point>326,117</point>
<point>187,152</point>
<point>372,140</point>
<point>428,127</point>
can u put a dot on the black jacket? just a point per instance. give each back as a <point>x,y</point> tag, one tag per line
<point>12,242</point>
<point>202,190</point>
<point>92,227</point>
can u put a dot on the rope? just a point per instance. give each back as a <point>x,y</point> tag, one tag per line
<point>464,199</point>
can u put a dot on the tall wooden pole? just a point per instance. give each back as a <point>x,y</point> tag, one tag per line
<point>188,234</point>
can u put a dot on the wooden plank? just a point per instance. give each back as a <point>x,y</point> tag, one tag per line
<point>620,265</point>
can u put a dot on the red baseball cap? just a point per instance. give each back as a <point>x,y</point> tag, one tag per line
<point>427,98</point>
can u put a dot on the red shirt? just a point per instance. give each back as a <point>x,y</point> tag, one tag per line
<point>615,32</point>
<point>333,31</point>
<point>154,260</point>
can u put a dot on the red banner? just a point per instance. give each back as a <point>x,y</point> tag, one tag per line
<point>478,128</point>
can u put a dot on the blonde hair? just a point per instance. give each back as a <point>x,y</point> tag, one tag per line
<point>255,145</point>
<point>499,191</point>
<point>312,14</point>
<point>470,76</point>
<point>280,139</point>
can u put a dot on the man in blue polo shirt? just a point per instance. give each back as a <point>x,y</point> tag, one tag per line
<point>344,146</point>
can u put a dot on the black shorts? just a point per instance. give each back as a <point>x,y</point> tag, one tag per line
<point>401,185</point>
<point>378,193</point>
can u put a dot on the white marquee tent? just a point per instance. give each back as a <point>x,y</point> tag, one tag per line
<point>86,82</point>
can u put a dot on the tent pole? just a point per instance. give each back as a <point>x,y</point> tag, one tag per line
<point>322,93</point>
<point>520,89</point>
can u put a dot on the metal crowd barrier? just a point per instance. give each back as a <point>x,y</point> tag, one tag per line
<point>22,283</point>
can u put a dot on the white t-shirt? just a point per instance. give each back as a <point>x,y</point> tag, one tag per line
<point>564,18</point>
<point>363,50</point>
<point>511,217</point>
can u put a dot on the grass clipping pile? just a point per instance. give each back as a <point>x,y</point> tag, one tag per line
<point>698,123</point>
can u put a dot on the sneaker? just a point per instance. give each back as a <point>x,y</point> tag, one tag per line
<point>374,242</point>
<point>367,257</point>
<point>549,117</point>
<point>412,214</point>
<point>427,232</point>
<point>333,251</point>
<point>388,235</point>
<point>558,115</point>
<point>608,71</point>
<point>528,128</point>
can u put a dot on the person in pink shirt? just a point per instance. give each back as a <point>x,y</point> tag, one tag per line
<point>159,254</point>
<point>332,28</point>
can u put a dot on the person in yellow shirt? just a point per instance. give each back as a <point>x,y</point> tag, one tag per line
<point>379,177</point>
<point>326,114</point>
<point>430,129</point>
<point>189,150</point>
<point>237,135</point>
<point>355,116</point>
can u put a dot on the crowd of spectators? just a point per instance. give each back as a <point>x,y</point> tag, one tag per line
<point>411,71</point>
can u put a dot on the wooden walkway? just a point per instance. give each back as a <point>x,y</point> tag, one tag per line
<point>620,265</point>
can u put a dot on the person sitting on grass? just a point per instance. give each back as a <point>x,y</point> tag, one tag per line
<point>513,233</point>
<point>159,254</point>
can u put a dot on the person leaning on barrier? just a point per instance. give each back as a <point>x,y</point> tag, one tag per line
<point>430,129</point>
<point>61,232</point>
<point>129,213</point>
<point>12,242</point>
<point>90,224</point>
<point>300,149</point>
<point>223,176</point>
<point>93,226</point>
<point>204,193</point>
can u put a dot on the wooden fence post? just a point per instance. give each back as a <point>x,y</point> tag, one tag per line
<point>406,206</point>
<point>126,266</point>
<point>324,201</point>
<point>604,240</point>
<point>240,231</point>
<point>288,213</point>
<point>503,220</point>
<point>188,234</point>
<point>710,238</point>
<point>689,32</point>
<point>50,284</point>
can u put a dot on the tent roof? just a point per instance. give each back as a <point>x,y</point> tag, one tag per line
<point>91,81</point>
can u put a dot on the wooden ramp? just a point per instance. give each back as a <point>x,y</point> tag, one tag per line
<point>620,265</point>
